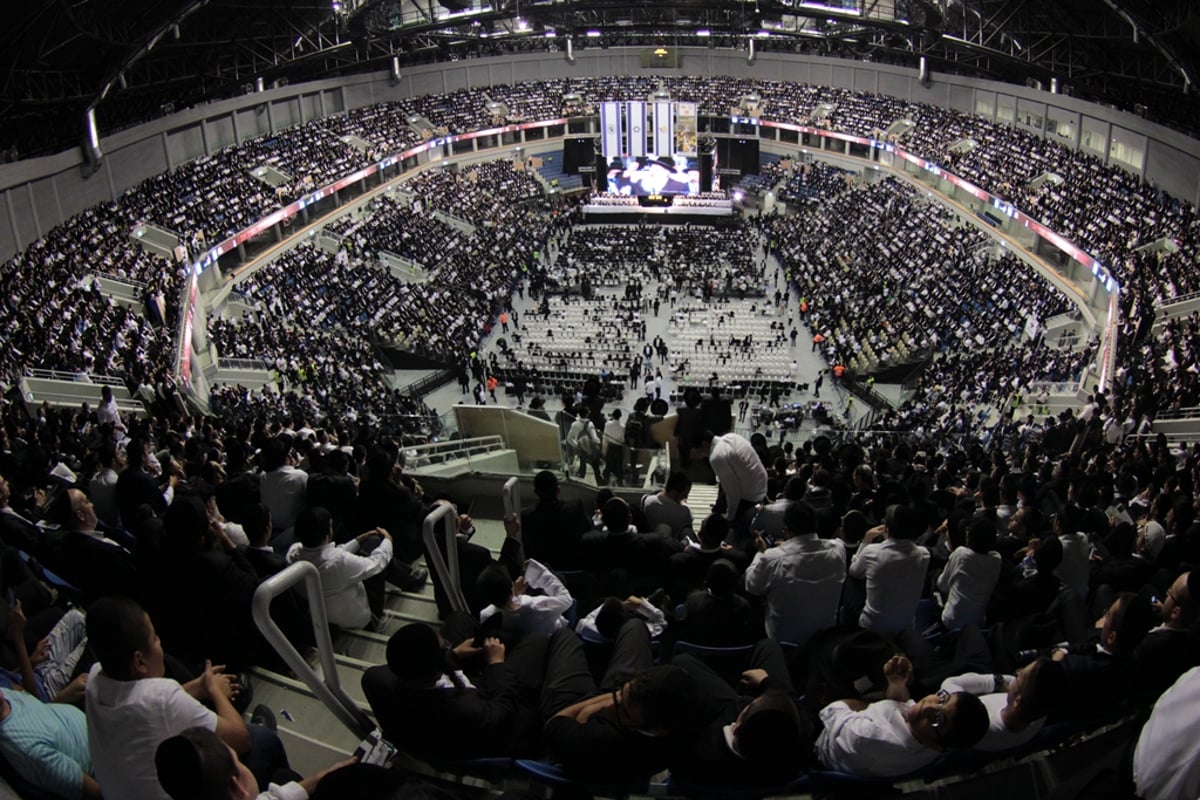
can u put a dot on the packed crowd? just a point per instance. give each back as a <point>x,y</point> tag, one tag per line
<point>813,182</point>
<point>887,278</point>
<point>1104,209</point>
<point>717,259</point>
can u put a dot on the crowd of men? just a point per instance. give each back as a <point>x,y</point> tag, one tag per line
<point>1104,209</point>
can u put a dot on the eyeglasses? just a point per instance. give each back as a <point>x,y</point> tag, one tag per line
<point>939,720</point>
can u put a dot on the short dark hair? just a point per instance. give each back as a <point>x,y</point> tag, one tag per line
<point>414,654</point>
<point>195,765</point>
<point>794,488</point>
<point>903,522</point>
<point>495,585</point>
<point>255,519</point>
<point>679,482</point>
<point>799,518</point>
<point>981,535</point>
<point>274,454</point>
<point>312,526</point>
<point>116,629</point>
<point>615,515</point>
<point>772,729</point>
<point>1049,555</point>
<point>1132,620</point>
<point>667,697</point>
<point>721,578</point>
<point>545,485</point>
<point>968,725</point>
<point>713,530</point>
<point>854,526</point>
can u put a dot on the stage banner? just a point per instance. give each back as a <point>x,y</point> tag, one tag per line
<point>636,122</point>
<point>685,128</point>
<point>664,125</point>
<point>610,122</point>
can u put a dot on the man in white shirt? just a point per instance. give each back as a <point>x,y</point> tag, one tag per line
<point>282,486</point>
<point>897,736</point>
<point>668,506</point>
<point>524,613</point>
<point>970,576</point>
<point>1166,761</point>
<point>1016,704</point>
<point>739,470</point>
<point>801,577</point>
<point>343,571</point>
<point>103,486</point>
<point>894,570</point>
<point>132,707</point>
<point>1076,568</point>
<point>769,518</point>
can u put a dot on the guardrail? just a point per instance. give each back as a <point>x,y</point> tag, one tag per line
<point>243,363</point>
<point>73,377</point>
<point>445,569</point>
<point>327,688</point>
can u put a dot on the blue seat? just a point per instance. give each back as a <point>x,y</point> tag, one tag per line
<point>555,776</point>
<point>675,786</point>
<point>493,769</point>
<point>62,584</point>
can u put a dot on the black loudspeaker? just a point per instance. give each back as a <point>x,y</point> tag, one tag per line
<point>739,154</point>
<point>577,152</point>
<point>706,172</point>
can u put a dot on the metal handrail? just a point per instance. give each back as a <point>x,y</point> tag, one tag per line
<point>328,689</point>
<point>445,569</point>
<point>72,377</point>
<point>512,497</point>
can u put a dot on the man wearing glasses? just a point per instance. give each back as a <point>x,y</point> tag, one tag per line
<point>897,735</point>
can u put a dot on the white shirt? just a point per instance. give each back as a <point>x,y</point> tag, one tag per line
<point>894,570</point>
<point>739,470</point>
<point>662,510</point>
<point>127,721</point>
<point>656,621</point>
<point>103,491</point>
<point>282,491</point>
<point>1166,762</point>
<point>1076,567</point>
<point>968,581</point>
<point>536,613</point>
<point>998,737</point>
<point>288,791</point>
<point>873,743</point>
<point>342,574</point>
<point>802,579</point>
<point>614,434</point>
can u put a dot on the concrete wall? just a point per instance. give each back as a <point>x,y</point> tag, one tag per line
<point>37,194</point>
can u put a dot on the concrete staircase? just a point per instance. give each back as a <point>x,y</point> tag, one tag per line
<point>312,735</point>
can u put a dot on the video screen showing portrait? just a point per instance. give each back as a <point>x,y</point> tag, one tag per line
<point>652,174</point>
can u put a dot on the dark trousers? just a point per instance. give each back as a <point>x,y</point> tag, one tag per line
<point>267,758</point>
<point>720,702</point>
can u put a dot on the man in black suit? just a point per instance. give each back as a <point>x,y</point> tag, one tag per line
<point>689,569</point>
<point>89,560</point>
<point>473,699</point>
<point>758,738</point>
<point>333,489</point>
<point>136,487</point>
<point>290,609</point>
<point>551,529</point>
<point>1173,647</point>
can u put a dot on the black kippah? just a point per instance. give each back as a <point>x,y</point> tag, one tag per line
<point>179,769</point>
<point>414,654</point>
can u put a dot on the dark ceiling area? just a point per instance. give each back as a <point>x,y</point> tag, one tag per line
<point>134,60</point>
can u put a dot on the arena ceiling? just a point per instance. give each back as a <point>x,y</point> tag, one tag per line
<point>136,59</point>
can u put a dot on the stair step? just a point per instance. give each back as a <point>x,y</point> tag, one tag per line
<point>306,716</point>
<point>363,645</point>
